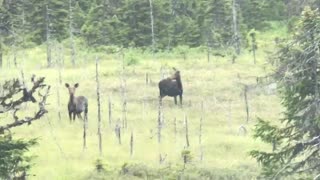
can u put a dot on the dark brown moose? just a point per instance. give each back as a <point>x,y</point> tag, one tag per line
<point>76,105</point>
<point>171,86</point>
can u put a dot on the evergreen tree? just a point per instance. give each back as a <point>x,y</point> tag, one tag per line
<point>297,139</point>
<point>54,11</point>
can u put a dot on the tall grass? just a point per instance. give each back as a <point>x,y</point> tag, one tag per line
<point>216,83</point>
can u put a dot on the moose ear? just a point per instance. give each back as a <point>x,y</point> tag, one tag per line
<point>67,85</point>
<point>174,69</point>
<point>76,85</point>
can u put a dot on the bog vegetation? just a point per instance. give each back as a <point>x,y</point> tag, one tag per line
<point>243,75</point>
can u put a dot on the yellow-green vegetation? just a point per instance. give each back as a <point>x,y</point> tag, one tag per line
<point>218,84</point>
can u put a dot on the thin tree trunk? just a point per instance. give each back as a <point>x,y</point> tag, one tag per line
<point>246,101</point>
<point>235,27</point>
<point>208,51</point>
<point>1,56</point>
<point>230,114</point>
<point>200,132</point>
<point>59,85</point>
<point>118,132</point>
<point>84,133</point>
<point>123,94</point>
<point>73,50</point>
<point>131,144</point>
<point>109,111</point>
<point>14,49</point>
<point>159,119</point>
<point>48,34</point>
<point>99,106</point>
<point>175,129</point>
<point>147,78</point>
<point>254,46</point>
<point>152,26</point>
<point>187,131</point>
<point>58,102</point>
<point>254,55</point>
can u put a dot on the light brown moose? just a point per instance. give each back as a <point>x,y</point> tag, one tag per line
<point>76,105</point>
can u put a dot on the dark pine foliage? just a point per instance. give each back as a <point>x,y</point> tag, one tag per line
<point>13,161</point>
<point>296,141</point>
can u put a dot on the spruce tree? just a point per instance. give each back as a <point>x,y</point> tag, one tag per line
<point>297,139</point>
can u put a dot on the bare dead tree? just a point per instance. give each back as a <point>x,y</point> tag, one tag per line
<point>71,30</point>
<point>236,34</point>
<point>110,111</point>
<point>11,89</point>
<point>99,106</point>
<point>1,54</point>
<point>118,132</point>
<point>208,51</point>
<point>186,130</point>
<point>230,113</point>
<point>253,45</point>
<point>159,120</point>
<point>147,78</point>
<point>131,144</point>
<point>59,79</point>
<point>152,26</point>
<point>123,94</point>
<point>200,132</point>
<point>14,47</point>
<point>245,93</point>
<point>175,129</point>
<point>242,130</point>
<point>22,77</point>
<point>48,37</point>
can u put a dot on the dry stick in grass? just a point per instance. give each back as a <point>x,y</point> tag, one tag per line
<point>59,85</point>
<point>58,102</point>
<point>200,132</point>
<point>131,144</point>
<point>230,114</point>
<point>159,128</point>
<point>147,78</point>
<point>118,132</point>
<point>208,51</point>
<point>159,120</point>
<point>84,134</point>
<point>187,131</point>
<point>22,77</point>
<point>110,111</point>
<point>175,129</point>
<point>14,48</point>
<point>99,106</point>
<point>246,101</point>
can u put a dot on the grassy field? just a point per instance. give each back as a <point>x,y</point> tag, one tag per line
<point>218,84</point>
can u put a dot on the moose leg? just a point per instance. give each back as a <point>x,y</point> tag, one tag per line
<point>79,116</point>
<point>70,114</point>
<point>180,97</point>
<point>175,100</point>
<point>74,116</point>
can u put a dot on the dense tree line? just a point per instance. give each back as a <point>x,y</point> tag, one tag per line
<point>127,23</point>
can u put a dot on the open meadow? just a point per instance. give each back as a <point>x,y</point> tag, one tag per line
<point>226,136</point>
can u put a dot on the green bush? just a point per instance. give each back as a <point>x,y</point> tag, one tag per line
<point>13,161</point>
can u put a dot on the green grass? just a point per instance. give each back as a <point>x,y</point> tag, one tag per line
<point>218,84</point>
